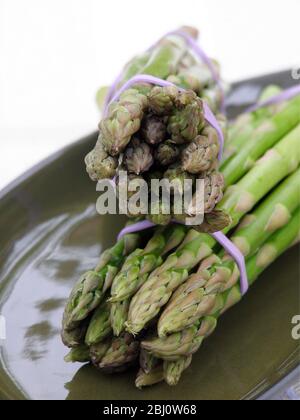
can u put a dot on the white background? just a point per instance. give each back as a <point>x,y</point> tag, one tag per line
<point>54,54</point>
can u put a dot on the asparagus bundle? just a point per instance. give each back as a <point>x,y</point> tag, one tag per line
<point>150,128</point>
<point>167,358</point>
<point>158,303</point>
<point>179,346</point>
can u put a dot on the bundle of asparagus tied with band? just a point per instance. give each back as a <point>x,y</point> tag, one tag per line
<point>154,300</point>
<point>160,132</point>
<point>158,303</point>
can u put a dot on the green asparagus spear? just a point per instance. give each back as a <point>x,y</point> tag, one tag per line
<point>122,353</point>
<point>201,155</point>
<point>98,351</point>
<point>75,337</point>
<point>79,354</point>
<point>173,370</point>
<point>99,164</point>
<point>167,153</point>
<point>154,130</point>
<point>123,121</point>
<point>147,361</point>
<point>155,376</point>
<point>119,315</point>
<point>99,327</point>
<point>138,157</point>
<point>187,118</point>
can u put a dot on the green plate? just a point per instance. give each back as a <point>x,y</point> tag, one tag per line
<point>50,234</point>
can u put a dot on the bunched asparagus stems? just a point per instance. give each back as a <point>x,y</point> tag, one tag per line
<point>137,268</point>
<point>274,166</point>
<point>155,293</point>
<point>244,125</point>
<point>188,341</point>
<point>199,295</point>
<point>265,136</point>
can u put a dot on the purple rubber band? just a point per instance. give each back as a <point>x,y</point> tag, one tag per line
<point>227,244</point>
<point>239,258</point>
<point>136,227</point>
<point>112,90</point>
<point>281,97</point>
<point>144,78</point>
<point>211,119</point>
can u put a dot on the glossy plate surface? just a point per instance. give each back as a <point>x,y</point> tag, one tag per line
<point>50,234</point>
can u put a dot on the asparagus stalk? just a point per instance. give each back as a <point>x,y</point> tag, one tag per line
<point>187,118</point>
<point>154,130</point>
<point>153,377</point>
<point>167,153</point>
<point>201,155</point>
<point>265,136</point>
<point>138,157</point>
<point>99,327</point>
<point>74,338</point>
<point>99,164</point>
<point>98,351</point>
<point>79,354</point>
<point>147,361</point>
<point>173,370</point>
<point>89,291</point>
<point>188,341</point>
<point>123,121</point>
<point>199,295</point>
<point>122,353</point>
<point>119,315</point>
